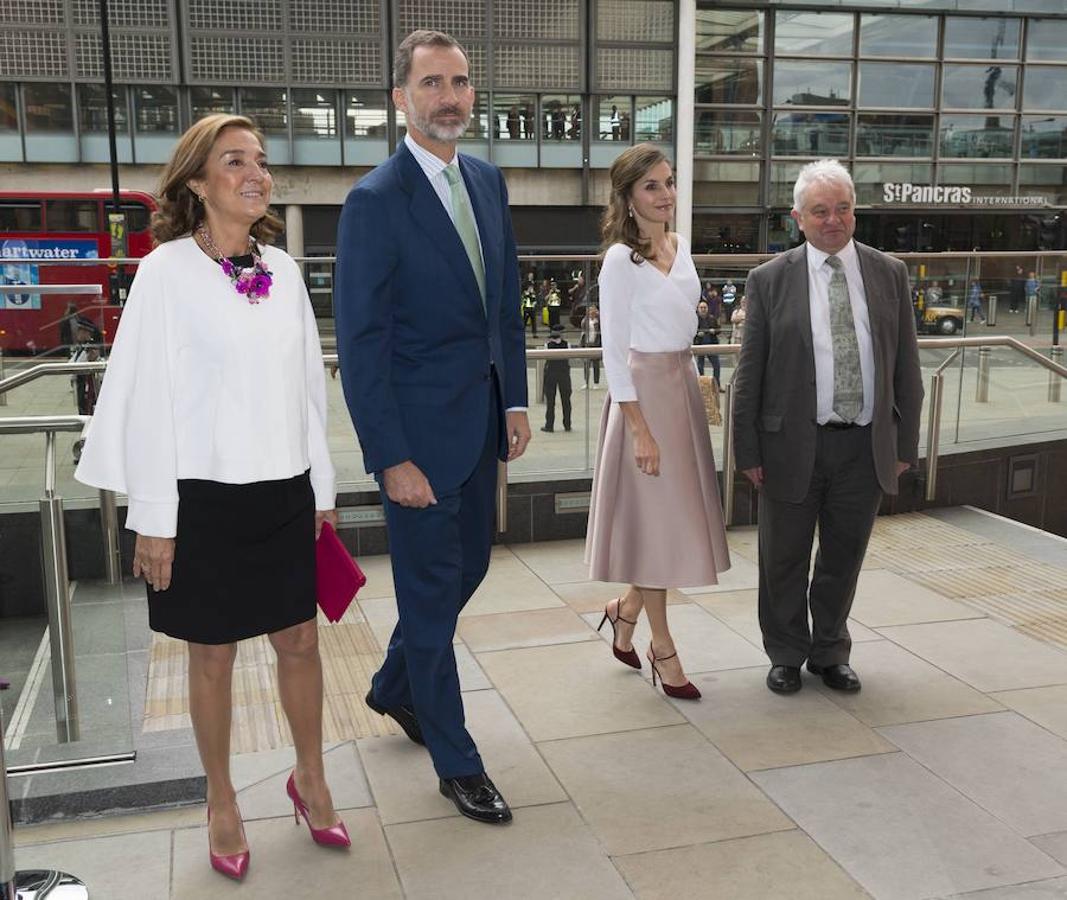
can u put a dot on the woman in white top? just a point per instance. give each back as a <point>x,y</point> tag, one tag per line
<point>655,520</point>
<point>212,419</point>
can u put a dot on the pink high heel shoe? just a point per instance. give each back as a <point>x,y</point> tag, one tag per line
<point>235,865</point>
<point>334,836</point>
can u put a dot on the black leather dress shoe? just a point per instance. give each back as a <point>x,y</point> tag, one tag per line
<point>404,716</point>
<point>784,679</point>
<point>477,798</point>
<point>839,677</point>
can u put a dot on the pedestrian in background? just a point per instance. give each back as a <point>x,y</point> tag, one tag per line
<point>591,338</point>
<point>557,381</point>
<point>707,333</point>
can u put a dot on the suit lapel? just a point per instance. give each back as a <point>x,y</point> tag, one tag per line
<point>797,287</point>
<point>431,218</point>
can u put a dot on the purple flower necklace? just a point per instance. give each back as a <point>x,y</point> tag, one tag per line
<point>253,282</point>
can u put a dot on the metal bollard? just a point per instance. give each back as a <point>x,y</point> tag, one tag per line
<point>34,883</point>
<point>981,394</point>
<point>57,595</point>
<point>728,456</point>
<point>501,497</point>
<point>1031,315</point>
<point>7,841</point>
<point>1055,381</point>
<point>109,525</point>
<point>539,380</point>
<point>991,319</point>
<point>933,434</point>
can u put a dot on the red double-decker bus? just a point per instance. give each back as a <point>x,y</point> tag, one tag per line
<point>65,225</point>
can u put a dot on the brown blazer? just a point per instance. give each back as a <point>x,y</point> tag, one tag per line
<point>774,420</point>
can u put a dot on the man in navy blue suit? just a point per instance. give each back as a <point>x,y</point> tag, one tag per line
<point>433,363</point>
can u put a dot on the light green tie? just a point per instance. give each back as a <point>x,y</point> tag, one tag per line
<point>463,219</point>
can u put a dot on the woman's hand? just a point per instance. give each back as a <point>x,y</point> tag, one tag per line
<point>646,452</point>
<point>152,560</point>
<point>324,515</point>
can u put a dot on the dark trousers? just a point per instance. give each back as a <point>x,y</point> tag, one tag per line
<point>593,364</point>
<point>553,315</point>
<point>529,314</point>
<point>440,555</point>
<point>561,382</point>
<point>842,500</point>
<point>716,366</point>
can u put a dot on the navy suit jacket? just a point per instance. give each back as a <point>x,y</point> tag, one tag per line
<point>418,353</point>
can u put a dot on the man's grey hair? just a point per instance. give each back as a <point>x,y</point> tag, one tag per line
<point>420,38</point>
<point>822,171</point>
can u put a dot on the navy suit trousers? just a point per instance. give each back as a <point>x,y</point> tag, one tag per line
<point>440,555</point>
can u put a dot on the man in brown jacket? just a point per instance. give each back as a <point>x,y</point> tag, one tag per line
<point>826,418</point>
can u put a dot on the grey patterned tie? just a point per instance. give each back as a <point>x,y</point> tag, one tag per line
<point>848,378</point>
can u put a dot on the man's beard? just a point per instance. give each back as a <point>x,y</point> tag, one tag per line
<point>435,130</point>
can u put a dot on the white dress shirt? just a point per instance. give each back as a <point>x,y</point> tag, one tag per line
<point>434,168</point>
<point>819,274</point>
<point>643,309</point>
<point>202,384</point>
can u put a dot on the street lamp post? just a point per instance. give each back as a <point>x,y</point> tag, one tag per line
<point>116,219</point>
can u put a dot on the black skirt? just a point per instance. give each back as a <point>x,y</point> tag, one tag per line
<point>244,561</point>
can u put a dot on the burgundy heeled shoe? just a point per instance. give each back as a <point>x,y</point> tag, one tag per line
<point>334,836</point>
<point>687,691</point>
<point>629,657</point>
<point>234,865</point>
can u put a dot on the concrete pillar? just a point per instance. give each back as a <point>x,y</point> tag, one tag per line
<point>684,116</point>
<point>294,230</point>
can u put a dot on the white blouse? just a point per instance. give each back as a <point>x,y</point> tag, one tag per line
<point>203,384</point>
<point>643,309</point>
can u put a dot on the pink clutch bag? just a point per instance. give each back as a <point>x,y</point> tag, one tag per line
<point>337,576</point>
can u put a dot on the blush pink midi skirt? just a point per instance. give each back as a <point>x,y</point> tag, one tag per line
<point>662,531</point>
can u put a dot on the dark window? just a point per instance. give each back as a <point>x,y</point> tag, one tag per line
<point>20,215</point>
<point>71,215</point>
<point>137,216</point>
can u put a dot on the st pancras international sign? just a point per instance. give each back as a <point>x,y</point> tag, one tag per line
<point>896,193</point>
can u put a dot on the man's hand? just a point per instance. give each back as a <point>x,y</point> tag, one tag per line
<point>152,560</point>
<point>324,515</point>
<point>518,428</point>
<point>902,467</point>
<point>754,475</point>
<point>407,486</point>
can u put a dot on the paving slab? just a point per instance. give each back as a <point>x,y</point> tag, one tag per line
<point>546,852</point>
<point>901,831</point>
<point>757,729</point>
<point>784,864</point>
<point>659,788</point>
<point>1003,762</point>
<point>570,690</point>
<point>987,655</point>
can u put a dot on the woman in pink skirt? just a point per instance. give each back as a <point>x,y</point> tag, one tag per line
<point>655,521</point>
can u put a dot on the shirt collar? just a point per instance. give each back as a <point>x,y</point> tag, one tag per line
<point>430,164</point>
<point>816,257</point>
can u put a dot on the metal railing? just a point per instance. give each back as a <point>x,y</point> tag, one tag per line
<point>1057,371</point>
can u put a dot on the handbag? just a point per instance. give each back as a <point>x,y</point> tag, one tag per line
<point>337,576</point>
<point>709,390</point>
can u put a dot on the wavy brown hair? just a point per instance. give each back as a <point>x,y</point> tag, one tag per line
<point>180,211</point>
<point>616,224</point>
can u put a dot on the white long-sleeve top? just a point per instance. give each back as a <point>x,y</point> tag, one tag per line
<point>202,384</point>
<point>643,309</point>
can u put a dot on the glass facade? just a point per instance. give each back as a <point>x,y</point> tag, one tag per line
<point>901,98</point>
